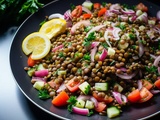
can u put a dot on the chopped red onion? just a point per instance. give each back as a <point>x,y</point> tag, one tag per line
<point>123,18</point>
<point>78,24</point>
<point>93,52</point>
<point>135,57</point>
<point>115,7</point>
<point>158,15</point>
<point>103,55</point>
<point>155,91</point>
<point>55,15</point>
<point>153,56</point>
<point>67,15</point>
<point>128,12</point>
<point>81,111</point>
<point>115,33</point>
<point>57,48</point>
<point>41,73</point>
<point>97,28</point>
<point>143,17</point>
<point>123,69</point>
<point>158,70</point>
<point>61,88</point>
<point>156,61</point>
<point>139,83</point>
<point>126,76</point>
<point>109,13</point>
<point>34,79</point>
<point>141,49</point>
<point>94,100</point>
<point>120,98</point>
<point>106,37</point>
<point>86,10</point>
<point>94,44</point>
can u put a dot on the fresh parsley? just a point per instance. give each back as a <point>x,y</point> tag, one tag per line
<point>61,54</point>
<point>132,36</point>
<point>72,6</point>
<point>87,57</point>
<point>90,113</point>
<point>152,69</point>
<point>104,4</point>
<point>43,94</point>
<point>105,45</point>
<point>71,102</point>
<point>88,28</point>
<point>87,41</point>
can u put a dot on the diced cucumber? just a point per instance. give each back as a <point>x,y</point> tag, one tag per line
<point>120,88</point>
<point>31,71</point>
<point>40,67</point>
<point>89,104</point>
<point>101,86</point>
<point>139,12</point>
<point>88,5</point>
<point>38,85</point>
<point>111,51</point>
<point>80,103</point>
<point>61,72</point>
<point>151,22</point>
<point>113,112</point>
<point>85,87</point>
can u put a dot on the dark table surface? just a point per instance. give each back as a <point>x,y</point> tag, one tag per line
<point>13,104</point>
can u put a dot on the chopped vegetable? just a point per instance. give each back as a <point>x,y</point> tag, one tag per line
<point>97,5</point>
<point>142,7</point>
<point>86,16</point>
<point>77,11</point>
<point>101,107</point>
<point>157,83</point>
<point>134,96</point>
<point>71,103</point>
<point>41,73</point>
<point>43,94</point>
<point>31,62</point>
<point>102,12</point>
<point>147,84</point>
<point>61,99</point>
<point>85,87</point>
<point>38,85</point>
<point>101,86</point>
<point>113,112</point>
<point>73,85</point>
<point>88,4</point>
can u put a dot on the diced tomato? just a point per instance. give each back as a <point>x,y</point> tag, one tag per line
<point>53,84</point>
<point>31,62</point>
<point>86,16</point>
<point>72,85</point>
<point>145,95</point>
<point>101,107</point>
<point>77,11</point>
<point>134,96</point>
<point>60,99</point>
<point>147,84</point>
<point>107,100</point>
<point>102,12</point>
<point>97,5</point>
<point>157,83</point>
<point>142,7</point>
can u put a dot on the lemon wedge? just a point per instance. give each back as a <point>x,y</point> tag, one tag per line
<point>53,27</point>
<point>37,44</point>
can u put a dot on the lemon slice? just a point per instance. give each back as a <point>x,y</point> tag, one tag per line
<point>36,43</point>
<point>53,27</point>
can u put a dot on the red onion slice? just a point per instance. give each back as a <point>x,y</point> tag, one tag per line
<point>126,76</point>
<point>128,12</point>
<point>94,44</point>
<point>55,15</point>
<point>141,49</point>
<point>78,24</point>
<point>158,70</point>
<point>153,56</point>
<point>57,48</point>
<point>155,91</point>
<point>61,88</point>
<point>103,55</point>
<point>156,61</point>
<point>123,18</point>
<point>106,37</point>
<point>41,73</point>
<point>93,52</point>
<point>120,98</point>
<point>139,84</point>
<point>97,28</point>
<point>81,111</point>
<point>67,15</point>
<point>115,33</point>
<point>34,79</point>
<point>115,7</point>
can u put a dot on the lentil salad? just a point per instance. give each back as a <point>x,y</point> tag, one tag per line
<point>105,48</point>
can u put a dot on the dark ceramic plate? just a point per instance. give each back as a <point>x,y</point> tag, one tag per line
<point>18,61</point>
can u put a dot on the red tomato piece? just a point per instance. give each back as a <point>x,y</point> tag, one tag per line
<point>77,11</point>
<point>142,7</point>
<point>147,84</point>
<point>101,107</point>
<point>60,99</point>
<point>145,95</point>
<point>97,5</point>
<point>157,83</point>
<point>72,85</point>
<point>134,96</point>
<point>31,62</point>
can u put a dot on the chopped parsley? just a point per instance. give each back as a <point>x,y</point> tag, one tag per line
<point>87,57</point>
<point>112,63</point>
<point>87,41</point>
<point>61,54</point>
<point>104,4</point>
<point>129,7</point>
<point>88,28</point>
<point>43,94</point>
<point>122,26</point>
<point>71,102</point>
<point>72,6</point>
<point>105,45</point>
<point>152,69</point>
<point>132,36</point>
<point>143,41</point>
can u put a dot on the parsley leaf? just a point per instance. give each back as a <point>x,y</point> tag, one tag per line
<point>132,36</point>
<point>71,102</point>
<point>104,4</point>
<point>43,94</point>
<point>152,69</point>
<point>87,28</point>
<point>72,6</point>
<point>90,113</point>
<point>87,41</point>
<point>105,45</point>
<point>61,54</point>
<point>87,57</point>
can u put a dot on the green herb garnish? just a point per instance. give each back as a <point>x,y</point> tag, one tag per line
<point>43,94</point>
<point>72,6</point>
<point>132,36</point>
<point>61,54</point>
<point>90,113</point>
<point>105,45</point>
<point>87,41</point>
<point>104,4</point>
<point>88,28</point>
<point>71,102</point>
<point>152,69</point>
<point>87,57</point>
